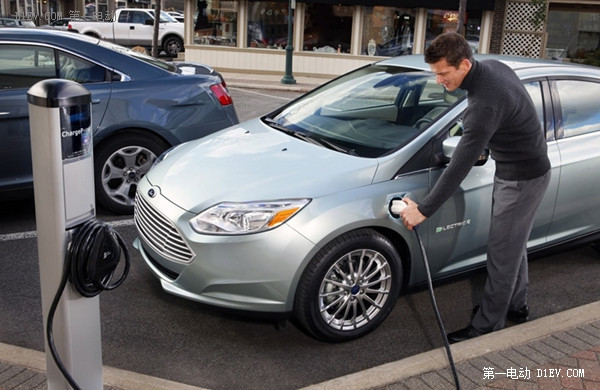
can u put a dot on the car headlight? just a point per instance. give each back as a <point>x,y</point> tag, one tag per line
<point>243,218</point>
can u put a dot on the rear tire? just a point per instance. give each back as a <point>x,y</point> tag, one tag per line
<point>349,287</point>
<point>172,46</point>
<point>119,164</point>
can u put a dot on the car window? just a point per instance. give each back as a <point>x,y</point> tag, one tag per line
<point>123,16</point>
<point>23,66</point>
<point>579,106</point>
<point>534,89</point>
<point>79,70</point>
<point>139,17</point>
<point>8,22</point>
<point>370,112</point>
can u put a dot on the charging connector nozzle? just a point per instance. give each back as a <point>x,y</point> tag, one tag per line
<point>396,207</point>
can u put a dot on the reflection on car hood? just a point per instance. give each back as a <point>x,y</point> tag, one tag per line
<point>254,162</point>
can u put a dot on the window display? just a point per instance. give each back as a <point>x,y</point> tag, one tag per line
<point>440,21</point>
<point>388,31</point>
<point>327,28</point>
<point>216,22</point>
<point>267,24</point>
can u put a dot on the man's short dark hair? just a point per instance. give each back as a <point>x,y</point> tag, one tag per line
<point>451,46</point>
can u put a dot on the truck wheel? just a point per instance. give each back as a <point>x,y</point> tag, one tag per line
<point>349,287</point>
<point>172,46</point>
<point>119,164</point>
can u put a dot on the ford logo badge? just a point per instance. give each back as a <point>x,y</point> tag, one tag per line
<point>151,193</point>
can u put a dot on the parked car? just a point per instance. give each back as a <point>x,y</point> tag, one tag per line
<point>290,212</point>
<point>63,24</point>
<point>141,106</point>
<point>16,22</point>
<point>177,16</point>
<point>135,27</point>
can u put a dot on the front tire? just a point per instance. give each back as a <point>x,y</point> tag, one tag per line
<point>119,164</point>
<point>349,287</point>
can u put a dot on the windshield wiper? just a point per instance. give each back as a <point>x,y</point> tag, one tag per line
<point>334,146</point>
<point>310,139</point>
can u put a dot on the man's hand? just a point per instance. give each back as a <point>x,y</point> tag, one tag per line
<point>411,216</point>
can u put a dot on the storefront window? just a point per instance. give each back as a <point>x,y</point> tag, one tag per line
<point>327,28</point>
<point>572,34</point>
<point>267,24</point>
<point>215,22</point>
<point>93,11</point>
<point>388,31</point>
<point>443,21</point>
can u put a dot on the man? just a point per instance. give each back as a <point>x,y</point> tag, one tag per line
<point>501,116</point>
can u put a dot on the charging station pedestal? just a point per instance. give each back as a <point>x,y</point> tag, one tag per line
<point>63,173</point>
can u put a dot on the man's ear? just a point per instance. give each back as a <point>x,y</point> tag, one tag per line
<point>465,64</point>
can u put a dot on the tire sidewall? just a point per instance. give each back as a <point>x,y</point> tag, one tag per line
<point>167,44</point>
<point>106,149</point>
<point>308,293</point>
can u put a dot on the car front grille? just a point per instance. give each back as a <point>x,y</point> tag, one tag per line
<point>160,233</point>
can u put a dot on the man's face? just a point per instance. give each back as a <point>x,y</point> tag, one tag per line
<point>449,76</point>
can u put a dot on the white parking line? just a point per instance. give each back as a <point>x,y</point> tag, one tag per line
<point>33,234</point>
<point>17,236</point>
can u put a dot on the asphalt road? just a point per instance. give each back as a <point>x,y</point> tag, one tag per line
<point>148,331</point>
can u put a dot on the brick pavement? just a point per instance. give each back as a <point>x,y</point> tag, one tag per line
<point>561,351</point>
<point>579,371</point>
<point>568,359</point>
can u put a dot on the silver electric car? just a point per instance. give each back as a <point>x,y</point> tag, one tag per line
<point>290,212</point>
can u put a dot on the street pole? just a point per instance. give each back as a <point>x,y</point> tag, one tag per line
<point>288,78</point>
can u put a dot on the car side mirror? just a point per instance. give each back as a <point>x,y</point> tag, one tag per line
<point>149,22</point>
<point>449,146</point>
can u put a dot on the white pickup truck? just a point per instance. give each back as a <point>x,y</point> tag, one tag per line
<point>135,27</point>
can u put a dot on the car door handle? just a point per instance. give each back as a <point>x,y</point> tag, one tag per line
<point>5,113</point>
<point>95,101</point>
<point>132,27</point>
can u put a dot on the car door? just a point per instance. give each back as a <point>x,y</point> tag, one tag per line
<point>22,66</point>
<point>136,29</point>
<point>577,211</point>
<point>458,231</point>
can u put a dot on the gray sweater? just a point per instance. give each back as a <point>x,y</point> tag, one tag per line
<point>501,116</point>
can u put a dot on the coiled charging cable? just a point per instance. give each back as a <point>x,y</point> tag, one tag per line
<point>396,207</point>
<point>92,257</point>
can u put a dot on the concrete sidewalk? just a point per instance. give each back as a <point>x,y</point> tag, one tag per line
<point>561,351</point>
<point>272,82</point>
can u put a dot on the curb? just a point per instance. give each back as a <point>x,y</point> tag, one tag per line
<point>112,377</point>
<point>396,372</point>
<point>271,86</point>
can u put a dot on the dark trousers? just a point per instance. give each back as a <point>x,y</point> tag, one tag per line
<point>514,206</point>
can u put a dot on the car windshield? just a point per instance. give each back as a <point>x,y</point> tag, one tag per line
<point>369,113</point>
<point>165,17</point>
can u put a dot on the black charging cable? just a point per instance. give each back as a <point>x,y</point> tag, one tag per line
<point>92,258</point>
<point>395,209</point>
<point>436,310</point>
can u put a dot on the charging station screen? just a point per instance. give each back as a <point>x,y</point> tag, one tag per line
<point>75,131</point>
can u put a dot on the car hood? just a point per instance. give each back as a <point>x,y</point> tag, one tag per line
<point>252,162</point>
